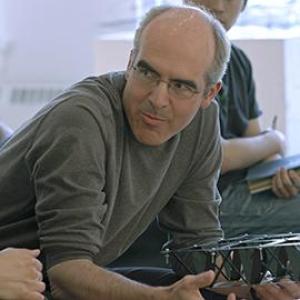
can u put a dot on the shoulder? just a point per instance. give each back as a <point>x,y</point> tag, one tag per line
<point>99,97</point>
<point>102,90</point>
<point>92,105</point>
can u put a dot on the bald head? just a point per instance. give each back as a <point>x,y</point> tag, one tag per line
<point>187,28</point>
<point>181,24</point>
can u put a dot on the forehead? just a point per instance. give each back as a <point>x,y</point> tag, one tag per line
<point>178,42</point>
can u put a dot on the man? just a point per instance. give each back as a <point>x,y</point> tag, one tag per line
<point>20,275</point>
<point>93,168</point>
<point>245,143</point>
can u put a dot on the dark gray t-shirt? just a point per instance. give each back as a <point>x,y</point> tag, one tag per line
<point>238,105</point>
<point>75,181</point>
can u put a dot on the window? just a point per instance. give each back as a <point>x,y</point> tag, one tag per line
<point>265,18</point>
<point>260,15</point>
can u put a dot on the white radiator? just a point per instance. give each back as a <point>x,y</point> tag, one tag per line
<point>19,102</point>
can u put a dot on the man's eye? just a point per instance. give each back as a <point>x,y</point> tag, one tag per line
<point>181,86</point>
<point>146,73</point>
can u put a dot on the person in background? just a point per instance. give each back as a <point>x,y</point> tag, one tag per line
<point>20,275</point>
<point>87,174</point>
<point>246,143</point>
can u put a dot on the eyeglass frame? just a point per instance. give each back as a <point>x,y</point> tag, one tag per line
<point>156,79</point>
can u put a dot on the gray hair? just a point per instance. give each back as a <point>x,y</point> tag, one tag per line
<point>222,43</point>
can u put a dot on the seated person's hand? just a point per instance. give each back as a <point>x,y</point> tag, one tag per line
<point>20,275</point>
<point>283,290</point>
<point>286,184</point>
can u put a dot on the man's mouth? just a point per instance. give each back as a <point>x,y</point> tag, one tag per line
<point>152,120</point>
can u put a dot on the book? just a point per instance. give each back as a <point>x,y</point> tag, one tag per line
<point>259,177</point>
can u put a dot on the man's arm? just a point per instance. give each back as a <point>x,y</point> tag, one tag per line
<point>254,146</point>
<point>82,279</point>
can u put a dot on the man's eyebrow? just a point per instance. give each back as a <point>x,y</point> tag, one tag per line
<point>189,83</point>
<point>144,64</point>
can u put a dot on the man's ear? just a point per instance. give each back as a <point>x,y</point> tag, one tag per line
<point>131,59</point>
<point>244,5</point>
<point>212,93</point>
<point>130,63</point>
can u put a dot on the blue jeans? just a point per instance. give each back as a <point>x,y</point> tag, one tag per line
<point>261,213</point>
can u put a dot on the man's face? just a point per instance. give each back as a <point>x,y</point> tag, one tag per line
<point>227,11</point>
<point>157,112</point>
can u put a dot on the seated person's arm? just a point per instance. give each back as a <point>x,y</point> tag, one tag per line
<point>240,153</point>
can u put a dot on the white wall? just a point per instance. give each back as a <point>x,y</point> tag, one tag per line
<point>49,44</point>
<point>51,40</point>
<point>276,66</point>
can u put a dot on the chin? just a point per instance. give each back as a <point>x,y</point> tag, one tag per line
<point>150,140</point>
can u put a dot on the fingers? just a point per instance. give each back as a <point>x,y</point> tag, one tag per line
<point>270,292</point>
<point>17,252</point>
<point>283,184</point>
<point>37,286</point>
<point>201,280</point>
<point>36,296</point>
<point>21,264</point>
<point>35,252</point>
<point>25,290</point>
<point>32,296</point>
<point>231,297</point>
<point>37,264</point>
<point>290,287</point>
<point>33,290</point>
<point>33,273</point>
<point>295,178</point>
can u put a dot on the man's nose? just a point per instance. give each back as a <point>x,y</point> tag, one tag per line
<point>160,95</point>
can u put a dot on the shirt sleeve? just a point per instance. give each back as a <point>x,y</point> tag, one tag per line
<point>253,109</point>
<point>67,174</point>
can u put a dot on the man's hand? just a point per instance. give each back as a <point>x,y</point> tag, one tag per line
<point>284,290</point>
<point>286,184</point>
<point>188,287</point>
<point>20,275</point>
